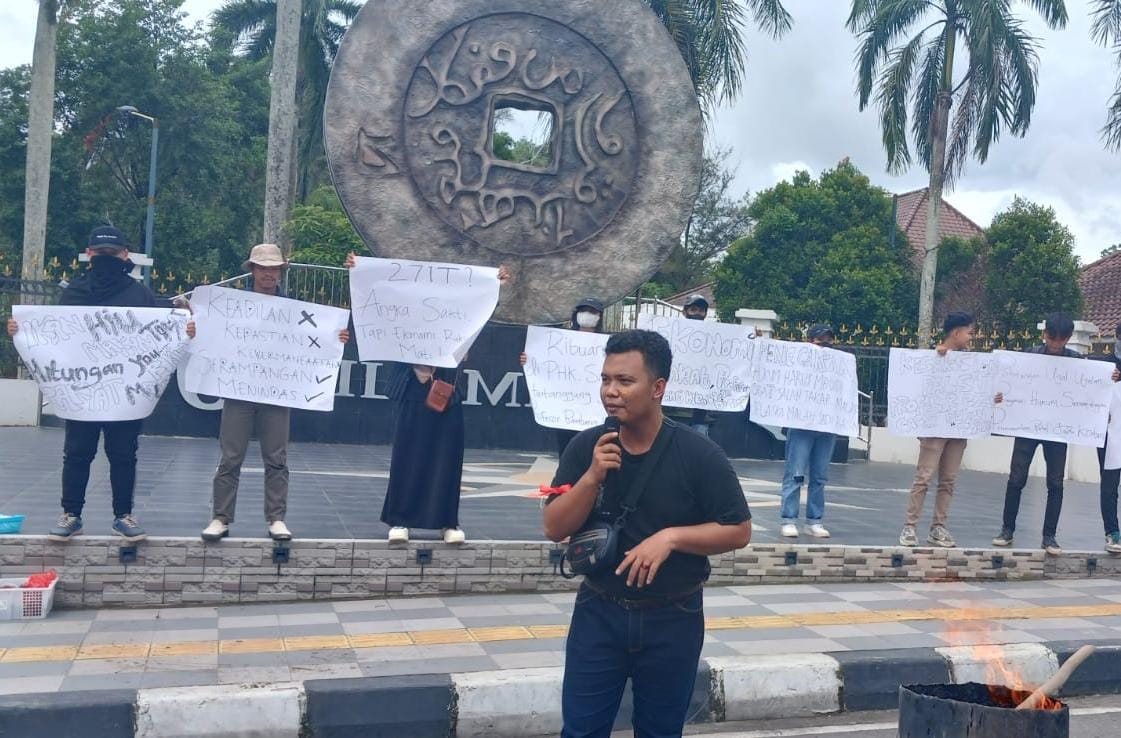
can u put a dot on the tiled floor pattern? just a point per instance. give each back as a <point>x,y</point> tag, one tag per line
<point>264,643</point>
<point>337,491</point>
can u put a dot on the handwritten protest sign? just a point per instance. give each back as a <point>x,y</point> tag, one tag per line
<point>1053,398</point>
<point>932,396</point>
<point>1113,442</point>
<point>800,385</point>
<point>711,362</point>
<point>562,372</point>
<point>420,312</point>
<point>263,348</point>
<point>100,363</point>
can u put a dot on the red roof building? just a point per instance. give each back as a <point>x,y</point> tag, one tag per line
<point>968,291</point>
<point>1101,293</point>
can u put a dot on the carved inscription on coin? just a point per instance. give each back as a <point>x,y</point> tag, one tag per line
<point>512,60</point>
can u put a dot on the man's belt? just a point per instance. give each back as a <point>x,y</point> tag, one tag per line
<point>642,603</point>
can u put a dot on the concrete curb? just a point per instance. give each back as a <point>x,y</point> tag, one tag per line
<point>523,702</point>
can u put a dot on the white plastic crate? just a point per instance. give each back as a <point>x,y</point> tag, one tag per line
<point>25,604</point>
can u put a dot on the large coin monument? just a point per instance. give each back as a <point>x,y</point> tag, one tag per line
<point>416,93</point>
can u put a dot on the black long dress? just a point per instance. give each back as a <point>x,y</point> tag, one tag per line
<point>426,468</point>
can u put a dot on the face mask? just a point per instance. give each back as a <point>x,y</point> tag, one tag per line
<point>695,315</point>
<point>585,319</point>
<point>106,263</point>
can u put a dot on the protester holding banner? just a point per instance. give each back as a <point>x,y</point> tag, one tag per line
<point>242,419</point>
<point>1057,330</point>
<point>640,614</point>
<point>587,317</point>
<point>107,283</point>
<point>941,455</point>
<point>808,453</point>
<point>426,466</point>
<point>1110,478</point>
<point>695,308</point>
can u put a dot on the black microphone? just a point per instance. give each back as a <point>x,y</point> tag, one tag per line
<point>611,425</point>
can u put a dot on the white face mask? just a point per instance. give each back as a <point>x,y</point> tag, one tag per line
<point>586,319</point>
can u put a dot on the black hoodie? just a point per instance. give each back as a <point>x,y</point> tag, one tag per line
<point>107,283</point>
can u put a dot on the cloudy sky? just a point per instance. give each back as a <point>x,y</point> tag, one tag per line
<point>798,111</point>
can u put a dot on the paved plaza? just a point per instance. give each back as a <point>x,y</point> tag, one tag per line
<point>337,492</point>
<point>124,649</point>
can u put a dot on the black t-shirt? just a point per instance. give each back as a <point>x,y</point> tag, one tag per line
<point>693,483</point>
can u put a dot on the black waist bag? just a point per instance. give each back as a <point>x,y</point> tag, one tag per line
<point>595,547</point>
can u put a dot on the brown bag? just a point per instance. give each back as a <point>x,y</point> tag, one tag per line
<point>439,395</point>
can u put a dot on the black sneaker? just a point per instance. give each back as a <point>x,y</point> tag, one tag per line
<point>1051,546</point>
<point>1004,539</point>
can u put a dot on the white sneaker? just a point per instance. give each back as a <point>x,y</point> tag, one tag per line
<point>397,534</point>
<point>454,535</point>
<point>216,531</point>
<point>817,530</point>
<point>278,531</point>
<point>789,530</point>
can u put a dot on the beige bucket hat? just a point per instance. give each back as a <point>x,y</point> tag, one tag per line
<point>266,255</point>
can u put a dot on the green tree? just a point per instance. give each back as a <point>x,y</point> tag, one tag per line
<point>995,92</point>
<point>821,250</point>
<point>1032,268</point>
<point>1106,30</point>
<point>213,114</point>
<point>320,231</point>
<point>14,90</point>
<point>709,36</point>
<point>717,219</point>
<point>249,27</point>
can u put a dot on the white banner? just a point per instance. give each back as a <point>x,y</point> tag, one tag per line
<point>263,348</point>
<point>100,363</point>
<point>420,312</point>
<point>932,396</point>
<point>711,362</point>
<point>1053,398</point>
<point>1113,443</point>
<point>800,385</point>
<point>562,371</point>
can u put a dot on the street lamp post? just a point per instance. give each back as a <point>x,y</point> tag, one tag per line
<point>150,222</point>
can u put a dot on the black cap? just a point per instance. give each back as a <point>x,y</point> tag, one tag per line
<point>696,300</point>
<point>107,237</point>
<point>819,330</point>
<point>590,302</point>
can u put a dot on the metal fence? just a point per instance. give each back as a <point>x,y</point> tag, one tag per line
<point>15,291</point>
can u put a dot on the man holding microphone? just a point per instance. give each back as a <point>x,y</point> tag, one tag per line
<point>674,499</point>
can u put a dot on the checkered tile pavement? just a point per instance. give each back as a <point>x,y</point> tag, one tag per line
<point>73,650</point>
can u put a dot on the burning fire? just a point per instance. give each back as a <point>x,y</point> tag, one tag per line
<point>1007,686</point>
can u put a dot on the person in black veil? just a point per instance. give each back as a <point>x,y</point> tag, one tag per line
<point>426,466</point>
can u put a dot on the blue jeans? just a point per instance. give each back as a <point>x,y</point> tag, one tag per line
<point>806,451</point>
<point>658,648</point>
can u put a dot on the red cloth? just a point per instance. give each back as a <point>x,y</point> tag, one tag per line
<point>544,491</point>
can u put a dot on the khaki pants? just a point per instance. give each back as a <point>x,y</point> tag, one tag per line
<point>944,456</point>
<point>239,421</point>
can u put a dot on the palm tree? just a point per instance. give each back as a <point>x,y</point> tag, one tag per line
<point>40,129</point>
<point>281,160</point>
<point>251,28</point>
<point>1106,31</point>
<point>708,33</point>
<point>996,92</point>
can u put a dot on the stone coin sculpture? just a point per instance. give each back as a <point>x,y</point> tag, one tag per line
<point>415,97</point>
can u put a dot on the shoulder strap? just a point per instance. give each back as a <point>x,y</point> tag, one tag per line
<point>630,502</point>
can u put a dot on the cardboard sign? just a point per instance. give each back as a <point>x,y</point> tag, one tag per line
<point>100,363</point>
<point>263,348</point>
<point>711,362</point>
<point>420,312</point>
<point>800,385</point>
<point>562,372</point>
<point>932,396</point>
<point>1053,398</point>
